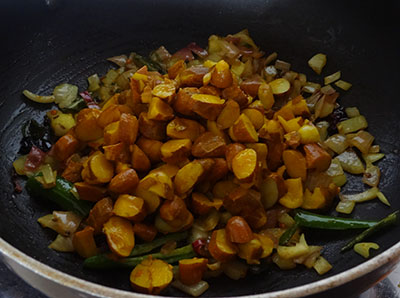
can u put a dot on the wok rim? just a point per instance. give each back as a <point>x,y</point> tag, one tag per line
<point>63,279</point>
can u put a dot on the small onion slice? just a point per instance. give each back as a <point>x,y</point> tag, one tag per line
<point>343,85</point>
<point>332,78</point>
<point>39,98</point>
<point>317,62</point>
<point>193,290</point>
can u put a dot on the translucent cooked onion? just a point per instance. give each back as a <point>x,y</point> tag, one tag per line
<point>68,222</point>
<point>338,143</point>
<point>119,60</point>
<point>352,124</point>
<point>38,98</point>
<point>229,49</point>
<point>94,82</point>
<point>328,89</point>
<point>19,165</point>
<point>282,65</point>
<point>352,112</point>
<point>373,157</point>
<point>62,244</point>
<point>362,140</point>
<point>350,162</point>
<point>311,87</point>
<point>322,266</point>
<point>270,58</point>
<point>64,223</point>
<point>65,94</point>
<point>193,290</point>
<point>322,127</point>
<point>317,62</point>
<point>332,78</point>
<point>367,195</point>
<point>383,198</point>
<point>345,207</point>
<point>48,174</point>
<point>363,248</point>
<point>343,85</point>
<point>235,269</point>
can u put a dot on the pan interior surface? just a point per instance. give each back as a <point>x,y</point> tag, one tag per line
<point>50,42</point>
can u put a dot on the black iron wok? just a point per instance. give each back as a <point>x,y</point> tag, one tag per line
<point>45,43</point>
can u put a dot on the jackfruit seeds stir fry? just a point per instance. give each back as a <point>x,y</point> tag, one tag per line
<point>209,161</point>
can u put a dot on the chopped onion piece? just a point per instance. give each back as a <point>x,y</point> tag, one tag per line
<point>350,162</point>
<point>235,269</point>
<point>312,257</point>
<point>363,248</point>
<point>286,219</point>
<point>367,195</point>
<point>284,264</point>
<point>290,252</point>
<point>67,221</point>
<point>362,140</point>
<point>302,78</point>
<point>383,198</point>
<point>62,244</point>
<point>345,207</point>
<point>38,98</point>
<point>245,39</point>
<point>271,58</point>
<point>352,112</point>
<point>94,82</point>
<point>110,77</point>
<point>313,250</point>
<point>290,76</point>
<point>317,62</point>
<point>64,223</point>
<point>322,127</point>
<point>311,87</point>
<point>343,85</point>
<point>374,149</point>
<point>237,68</point>
<point>373,157</point>
<point>328,89</point>
<point>371,175</point>
<point>352,125</point>
<point>162,56</point>
<point>230,50</point>
<point>332,78</point>
<point>335,171</point>
<point>65,94</point>
<point>322,266</point>
<point>193,290</point>
<point>282,65</point>
<point>338,143</point>
<point>19,165</point>
<point>48,221</point>
<point>119,60</point>
<point>48,174</point>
